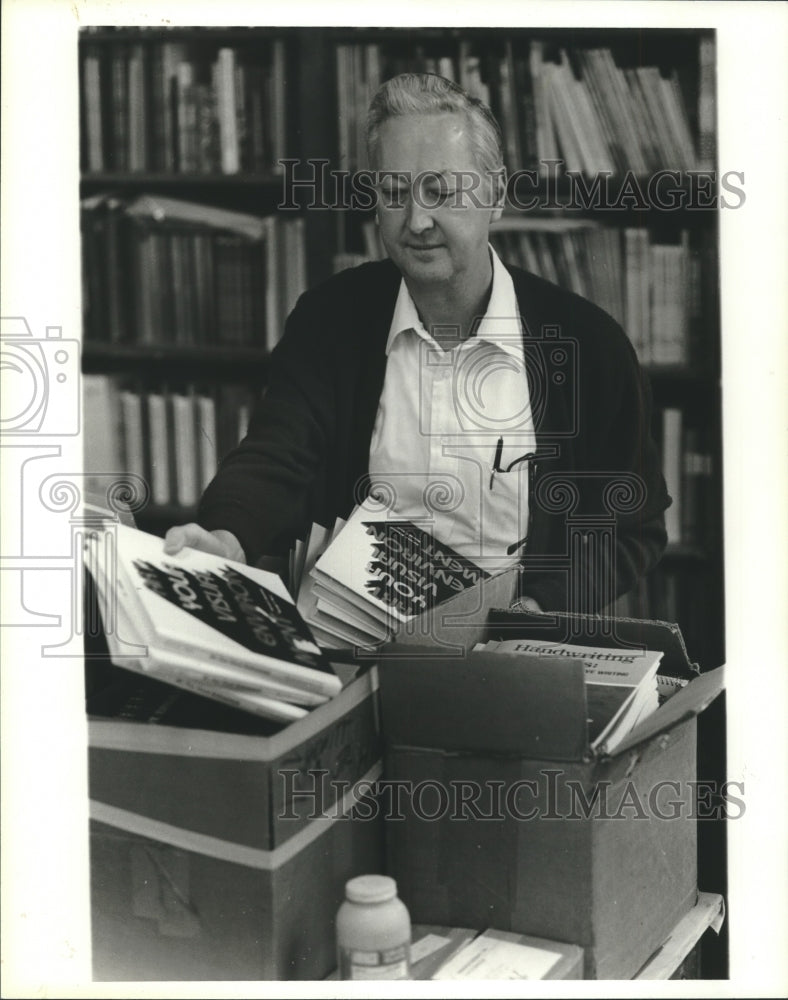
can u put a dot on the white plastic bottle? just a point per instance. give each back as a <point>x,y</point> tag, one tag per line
<point>373,930</point>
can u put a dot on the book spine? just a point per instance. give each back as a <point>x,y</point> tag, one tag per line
<point>138,135</point>
<point>241,117</point>
<point>205,331</point>
<point>133,439</point>
<point>172,54</point>
<point>545,135</point>
<point>159,448</point>
<point>158,111</point>
<point>226,110</point>
<point>278,104</point>
<point>102,440</point>
<point>559,116</point>
<point>268,708</point>
<point>186,485</point>
<point>290,673</point>
<point>672,468</point>
<point>706,105</point>
<point>176,667</point>
<point>94,115</point>
<point>185,118</point>
<point>607,112</point>
<point>191,291</point>
<point>119,159</point>
<point>508,106</point>
<point>273,325</point>
<point>656,266</point>
<point>207,439</point>
<point>676,119</point>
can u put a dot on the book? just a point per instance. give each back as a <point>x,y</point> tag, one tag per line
<point>187,487</point>
<point>224,86</point>
<point>217,682</point>
<point>160,452</point>
<point>138,136</point>
<point>706,104</point>
<point>208,625</point>
<point>133,434</point>
<point>92,109</point>
<point>500,955</point>
<point>621,685</point>
<point>101,438</point>
<point>380,572</point>
<point>207,440</point>
<point>672,419</point>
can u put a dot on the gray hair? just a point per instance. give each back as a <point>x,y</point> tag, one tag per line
<point>427,93</point>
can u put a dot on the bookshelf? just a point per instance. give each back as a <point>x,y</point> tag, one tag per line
<point>203,114</point>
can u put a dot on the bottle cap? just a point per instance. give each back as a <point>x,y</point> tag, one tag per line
<point>370,889</point>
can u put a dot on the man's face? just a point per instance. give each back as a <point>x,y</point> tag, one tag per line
<point>433,228</point>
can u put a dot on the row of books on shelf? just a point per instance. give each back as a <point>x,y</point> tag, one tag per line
<point>688,468</point>
<point>652,289</point>
<point>160,271</point>
<point>172,439</point>
<point>172,107</point>
<point>574,104</point>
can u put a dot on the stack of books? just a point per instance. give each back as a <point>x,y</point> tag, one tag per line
<point>622,685</point>
<point>376,574</point>
<point>207,625</point>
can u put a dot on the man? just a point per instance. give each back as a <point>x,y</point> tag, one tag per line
<point>441,367</point>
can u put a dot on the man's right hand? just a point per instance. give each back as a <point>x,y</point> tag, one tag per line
<point>217,543</point>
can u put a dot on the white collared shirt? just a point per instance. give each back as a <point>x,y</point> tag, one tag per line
<point>439,420</point>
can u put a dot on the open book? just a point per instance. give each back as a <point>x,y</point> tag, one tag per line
<point>209,625</point>
<point>622,686</point>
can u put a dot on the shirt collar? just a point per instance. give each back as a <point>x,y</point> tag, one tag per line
<point>500,324</point>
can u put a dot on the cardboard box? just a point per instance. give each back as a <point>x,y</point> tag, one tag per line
<point>557,843</point>
<point>222,856</point>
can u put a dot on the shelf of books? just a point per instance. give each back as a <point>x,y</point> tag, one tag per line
<point>189,269</point>
<point>185,103</point>
<point>612,101</point>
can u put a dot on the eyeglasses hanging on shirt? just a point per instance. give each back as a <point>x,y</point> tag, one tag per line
<point>497,467</point>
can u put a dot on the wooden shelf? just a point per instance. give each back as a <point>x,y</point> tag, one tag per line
<point>155,34</point>
<point>121,357</point>
<point>687,377</point>
<point>684,552</point>
<point>148,178</point>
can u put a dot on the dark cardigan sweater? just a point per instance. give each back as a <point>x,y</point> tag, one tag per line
<point>306,455</point>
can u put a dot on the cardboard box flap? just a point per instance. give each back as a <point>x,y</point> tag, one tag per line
<point>689,701</point>
<point>593,630</point>
<point>483,703</point>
